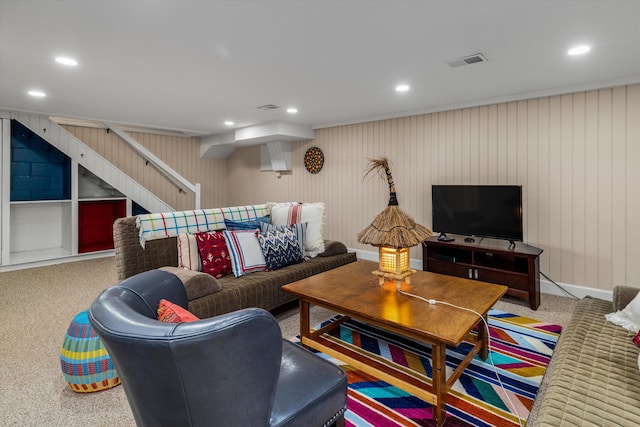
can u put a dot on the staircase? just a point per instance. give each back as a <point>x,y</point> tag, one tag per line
<point>90,160</point>
<point>42,231</point>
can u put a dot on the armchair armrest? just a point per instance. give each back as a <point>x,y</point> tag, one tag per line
<point>622,295</point>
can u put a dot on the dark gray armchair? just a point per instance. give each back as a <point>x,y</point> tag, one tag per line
<point>230,370</point>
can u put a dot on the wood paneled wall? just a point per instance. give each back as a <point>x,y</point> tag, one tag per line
<point>180,153</point>
<point>577,157</point>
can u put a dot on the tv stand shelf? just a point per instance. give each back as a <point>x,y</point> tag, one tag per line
<point>488,260</point>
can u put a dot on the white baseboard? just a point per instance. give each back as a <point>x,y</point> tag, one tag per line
<point>546,287</point>
<point>44,263</point>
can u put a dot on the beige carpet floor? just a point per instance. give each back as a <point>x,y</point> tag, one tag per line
<point>38,305</point>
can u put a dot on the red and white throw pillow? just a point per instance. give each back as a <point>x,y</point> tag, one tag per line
<point>312,214</point>
<point>188,254</point>
<point>214,253</point>
<point>246,253</point>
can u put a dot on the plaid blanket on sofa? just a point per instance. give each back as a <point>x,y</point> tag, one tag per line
<point>170,224</point>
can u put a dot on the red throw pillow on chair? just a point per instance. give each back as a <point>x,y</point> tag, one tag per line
<point>172,313</point>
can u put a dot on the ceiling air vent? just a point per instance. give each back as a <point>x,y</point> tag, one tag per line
<point>268,107</point>
<point>471,59</point>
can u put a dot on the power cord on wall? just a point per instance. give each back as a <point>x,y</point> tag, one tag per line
<point>486,326</point>
<point>560,287</point>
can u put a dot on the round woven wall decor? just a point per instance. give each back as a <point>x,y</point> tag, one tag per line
<point>314,160</point>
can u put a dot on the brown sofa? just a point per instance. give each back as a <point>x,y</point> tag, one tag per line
<point>594,374</point>
<point>208,297</point>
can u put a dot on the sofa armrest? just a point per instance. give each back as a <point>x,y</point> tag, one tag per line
<point>131,258</point>
<point>622,295</point>
<point>332,248</point>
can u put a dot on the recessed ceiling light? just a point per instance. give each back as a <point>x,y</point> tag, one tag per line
<point>229,123</point>
<point>37,93</point>
<point>402,88</point>
<point>292,110</point>
<point>579,50</point>
<point>64,60</point>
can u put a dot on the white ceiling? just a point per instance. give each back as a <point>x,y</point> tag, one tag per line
<point>191,65</point>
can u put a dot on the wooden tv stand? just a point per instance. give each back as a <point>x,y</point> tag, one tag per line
<point>488,260</point>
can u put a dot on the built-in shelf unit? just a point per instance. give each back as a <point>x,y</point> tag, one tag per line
<point>57,207</point>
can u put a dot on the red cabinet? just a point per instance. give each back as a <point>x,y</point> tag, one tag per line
<point>95,223</point>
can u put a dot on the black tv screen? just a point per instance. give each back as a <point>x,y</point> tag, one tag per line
<point>478,210</point>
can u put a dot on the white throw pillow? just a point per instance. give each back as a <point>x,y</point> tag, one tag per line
<point>311,213</point>
<point>188,254</point>
<point>629,317</point>
<point>245,252</point>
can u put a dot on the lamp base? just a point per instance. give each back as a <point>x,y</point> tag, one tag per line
<point>399,278</point>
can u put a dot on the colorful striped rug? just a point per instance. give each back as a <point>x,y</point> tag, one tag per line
<point>520,348</point>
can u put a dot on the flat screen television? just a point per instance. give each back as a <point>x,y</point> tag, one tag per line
<point>478,210</point>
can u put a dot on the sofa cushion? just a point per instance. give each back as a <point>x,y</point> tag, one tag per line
<point>188,254</point>
<point>629,317</point>
<point>196,283</point>
<point>169,312</point>
<point>246,253</point>
<point>280,248</point>
<point>312,213</point>
<point>593,375</point>
<point>214,253</point>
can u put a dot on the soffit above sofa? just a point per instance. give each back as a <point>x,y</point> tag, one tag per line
<point>223,145</point>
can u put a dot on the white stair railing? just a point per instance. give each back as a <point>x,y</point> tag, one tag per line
<point>167,171</point>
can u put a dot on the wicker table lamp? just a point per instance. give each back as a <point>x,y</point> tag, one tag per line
<point>393,232</point>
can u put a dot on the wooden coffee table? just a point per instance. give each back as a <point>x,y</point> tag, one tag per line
<point>353,291</point>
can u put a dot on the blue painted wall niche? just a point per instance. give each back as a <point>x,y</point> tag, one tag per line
<point>39,171</point>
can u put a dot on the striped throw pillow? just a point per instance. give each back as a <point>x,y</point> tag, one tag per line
<point>188,253</point>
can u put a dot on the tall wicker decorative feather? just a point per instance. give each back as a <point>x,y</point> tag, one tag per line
<point>392,227</point>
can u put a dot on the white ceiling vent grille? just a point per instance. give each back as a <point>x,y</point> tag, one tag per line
<point>267,107</point>
<point>467,60</point>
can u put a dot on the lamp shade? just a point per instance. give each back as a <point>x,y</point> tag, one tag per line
<point>392,227</point>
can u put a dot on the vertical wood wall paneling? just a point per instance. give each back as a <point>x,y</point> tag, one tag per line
<point>555,190</point>
<point>632,226</point>
<point>575,156</point>
<point>542,233</point>
<point>579,190</point>
<point>521,155</point>
<point>531,161</point>
<point>502,141</point>
<point>566,183</point>
<point>592,173</point>
<point>605,184</point>
<point>492,145</point>
<point>619,190</point>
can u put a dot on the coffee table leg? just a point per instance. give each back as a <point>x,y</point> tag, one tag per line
<point>305,328</point>
<point>482,337</point>
<point>439,372</point>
